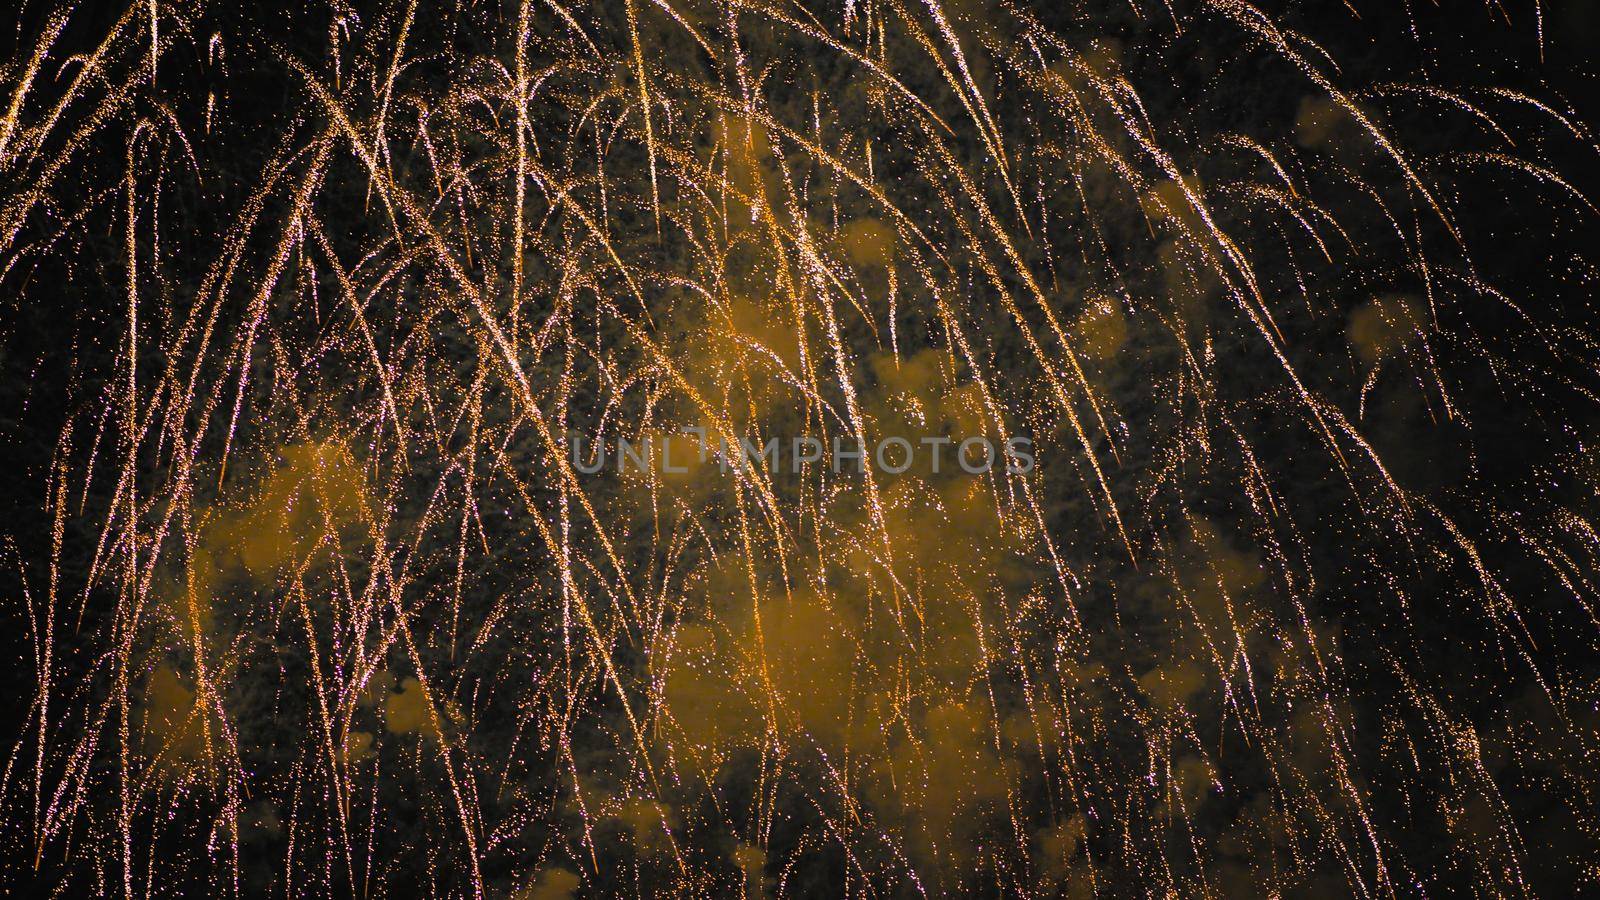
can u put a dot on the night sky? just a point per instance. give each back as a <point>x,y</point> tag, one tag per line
<point>305,590</point>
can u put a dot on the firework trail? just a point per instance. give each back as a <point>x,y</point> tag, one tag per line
<point>309,592</point>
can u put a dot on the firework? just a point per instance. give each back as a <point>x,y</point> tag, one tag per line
<point>311,314</point>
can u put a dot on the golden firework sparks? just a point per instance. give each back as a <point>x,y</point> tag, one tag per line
<point>1100,449</point>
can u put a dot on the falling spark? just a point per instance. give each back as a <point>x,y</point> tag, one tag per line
<point>1302,597</point>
